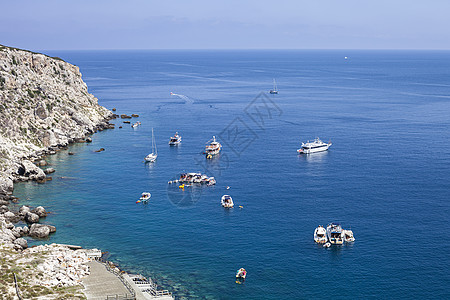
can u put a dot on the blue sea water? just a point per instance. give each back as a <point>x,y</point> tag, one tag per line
<point>386,175</point>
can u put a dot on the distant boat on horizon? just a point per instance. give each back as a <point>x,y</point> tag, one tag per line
<point>275,89</point>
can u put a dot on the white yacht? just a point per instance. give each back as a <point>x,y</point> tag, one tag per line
<point>316,146</point>
<point>213,148</point>
<point>175,140</point>
<point>334,234</point>
<point>348,235</point>
<point>227,201</point>
<point>152,156</point>
<point>320,235</point>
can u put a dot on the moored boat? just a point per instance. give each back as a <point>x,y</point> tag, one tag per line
<point>227,201</point>
<point>320,235</point>
<point>175,140</point>
<point>334,234</point>
<point>152,156</point>
<point>213,148</point>
<point>348,235</point>
<point>275,89</point>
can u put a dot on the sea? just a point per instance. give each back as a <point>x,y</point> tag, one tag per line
<point>386,176</point>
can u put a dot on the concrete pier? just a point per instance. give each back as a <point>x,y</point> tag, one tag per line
<point>101,283</point>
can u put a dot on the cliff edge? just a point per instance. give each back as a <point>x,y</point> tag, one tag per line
<point>44,105</point>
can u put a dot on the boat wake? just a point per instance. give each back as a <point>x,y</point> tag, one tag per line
<point>183,97</point>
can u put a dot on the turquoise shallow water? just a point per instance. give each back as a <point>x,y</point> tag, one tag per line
<point>385,177</point>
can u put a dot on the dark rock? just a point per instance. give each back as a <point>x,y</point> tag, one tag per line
<point>120,126</point>
<point>135,115</point>
<point>100,150</point>
<point>31,217</point>
<point>71,153</point>
<point>124,116</point>
<point>127,122</point>
<point>49,178</point>
<point>49,170</point>
<point>41,180</point>
<point>114,109</point>
<point>88,140</point>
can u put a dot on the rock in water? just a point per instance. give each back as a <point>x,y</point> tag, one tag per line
<point>39,231</point>
<point>40,211</point>
<point>49,170</point>
<point>30,170</point>
<point>31,217</point>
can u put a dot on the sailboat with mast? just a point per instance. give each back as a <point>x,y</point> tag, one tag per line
<point>152,156</point>
<point>275,89</point>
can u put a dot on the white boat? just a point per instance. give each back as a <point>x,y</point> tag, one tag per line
<point>327,245</point>
<point>152,156</point>
<point>334,234</point>
<point>316,146</point>
<point>211,181</point>
<point>241,273</point>
<point>144,197</point>
<point>320,235</point>
<point>274,90</point>
<point>175,140</point>
<point>348,235</point>
<point>227,201</point>
<point>136,124</point>
<point>213,148</point>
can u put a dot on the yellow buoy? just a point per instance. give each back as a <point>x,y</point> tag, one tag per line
<point>181,186</point>
<point>240,206</point>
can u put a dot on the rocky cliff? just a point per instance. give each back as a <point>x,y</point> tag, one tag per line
<point>44,105</point>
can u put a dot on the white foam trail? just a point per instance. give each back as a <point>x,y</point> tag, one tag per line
<point>185,98</point>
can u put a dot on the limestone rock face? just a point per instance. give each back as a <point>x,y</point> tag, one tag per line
<point>6,184</point>
<point>43,102</point>
<point>21,242</point>
<point>30,170</point>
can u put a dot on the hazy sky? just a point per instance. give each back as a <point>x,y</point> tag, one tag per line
<point>225,24</point>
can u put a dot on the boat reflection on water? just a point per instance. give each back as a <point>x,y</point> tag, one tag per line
<point>318,157</point>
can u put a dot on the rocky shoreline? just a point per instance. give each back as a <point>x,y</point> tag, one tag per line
<point>44,107</point>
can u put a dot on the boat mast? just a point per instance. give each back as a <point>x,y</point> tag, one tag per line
<point>274,85</point>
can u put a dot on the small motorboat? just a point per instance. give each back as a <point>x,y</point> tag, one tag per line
<point>327,245</point>
<point>144,197</point>
<point>320,235</point>
<point>241,273</point>
<point>136,124</point>
<point>175,140</point>
<point>227,201</point>
<point>211,181</point>
<point>348,235</point>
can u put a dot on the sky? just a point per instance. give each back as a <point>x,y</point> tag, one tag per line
<point>225,24</point>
